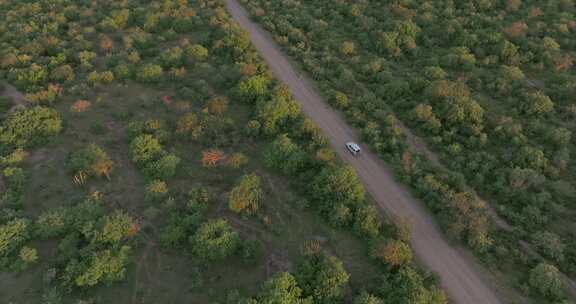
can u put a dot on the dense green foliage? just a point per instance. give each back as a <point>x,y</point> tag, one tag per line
<point>322,277</point>
<point>27,127</point>
<point>489,85</point>
<point>214,240</point>
<point>143,89</point>
<point>247,195</point>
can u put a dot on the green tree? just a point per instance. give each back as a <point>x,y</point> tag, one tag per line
<point>285,155</point>
<point>31,126</point>
<point>348,48</point>
<point>215,240</point>
<point>532,158</point>
<point>545,278</point>
<point>197,52</point>
<point>282,288</point>
<point>172,57</point>
<point>322,277</point>
<point>367,222</point>
<point>254,87</point>
<point>13,235</point>
<point>199,198</point>
<point>51,223</point>
<point>91,160</point>
<point>28,255</point>
<point>117,227</point>
<point>275,113</point>
<point>337,184</point>
<point>404,286</point>
<point>150,73</point>
<point>341,99</point>
<point>550,245</point>
<point>537,103</point>
<point>105,266</point>
<point>367,298</point>
<point>190,126</point>
<point>247,195</point>
<point>156,190</point>
<point>393,252</point>
<point>389,43</point>
<point>163,168</point>
<point>145,148</point>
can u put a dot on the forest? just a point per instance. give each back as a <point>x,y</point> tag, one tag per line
<point>148,155</point>
<point>489,86</point>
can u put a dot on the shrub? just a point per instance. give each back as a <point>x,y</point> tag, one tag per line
<point>254,87</point>
<point>12,236</point>
<point>550,245</point>
<point>537,103</point>
<point>156,190</point>
<point>322,277</point>
<point>252,128</point>
<point>28,127</point>
<point>246,196</point>
<point>394,253</point>
<point>337,184</point>
<point>117,227</point>
<point>546,279</point>
<point>163,168</point>
<point>197,52</point>
<point>51,223</point>
<point>367,298</point>
<point>215,240</point>
<point>150,73</point>
<point>145,148</point>
<point>281,288</point>
<point>91,160</point>
<point>105,266</point>
<point>285,155</point>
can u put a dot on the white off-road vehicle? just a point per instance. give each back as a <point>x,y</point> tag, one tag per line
<point>353,148</point>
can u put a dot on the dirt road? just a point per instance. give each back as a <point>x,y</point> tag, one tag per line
<point>461,277</point>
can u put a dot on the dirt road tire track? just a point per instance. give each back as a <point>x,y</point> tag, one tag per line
<point>460,276</point>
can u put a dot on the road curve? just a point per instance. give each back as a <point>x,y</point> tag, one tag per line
<point>460,276</point>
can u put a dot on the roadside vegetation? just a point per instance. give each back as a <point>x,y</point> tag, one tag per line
<point>488,85</point>
<point>148,156</point>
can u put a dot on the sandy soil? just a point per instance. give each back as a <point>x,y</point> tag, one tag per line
<point>461,277</point>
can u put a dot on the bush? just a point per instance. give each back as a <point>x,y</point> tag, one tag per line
<point>546,280</point>
<point>281,288</point>
<point>105,266</point>
<point>337,184</point>
<point>322,277</point>
<point>246,196</point>
<point>12,235</point>
<point>163,168</point>
<point>550,245</point>
<point>156,190</point>
<point>51,223</point>
<point>150,73</point>
<point>367,298</point>
<point>215,240</point>
<point>394,253</point>
<point>145,148</point>
<point>254,87</point>
<point>28,127</point>
<point>197,52</point>
<point>91,160</point>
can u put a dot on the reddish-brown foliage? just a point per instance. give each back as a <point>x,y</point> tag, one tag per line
<point>80,106</point>
<point>517,29</point>
<point>211,158</point>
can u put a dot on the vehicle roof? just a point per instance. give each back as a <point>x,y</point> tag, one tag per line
<point>353,145</point>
